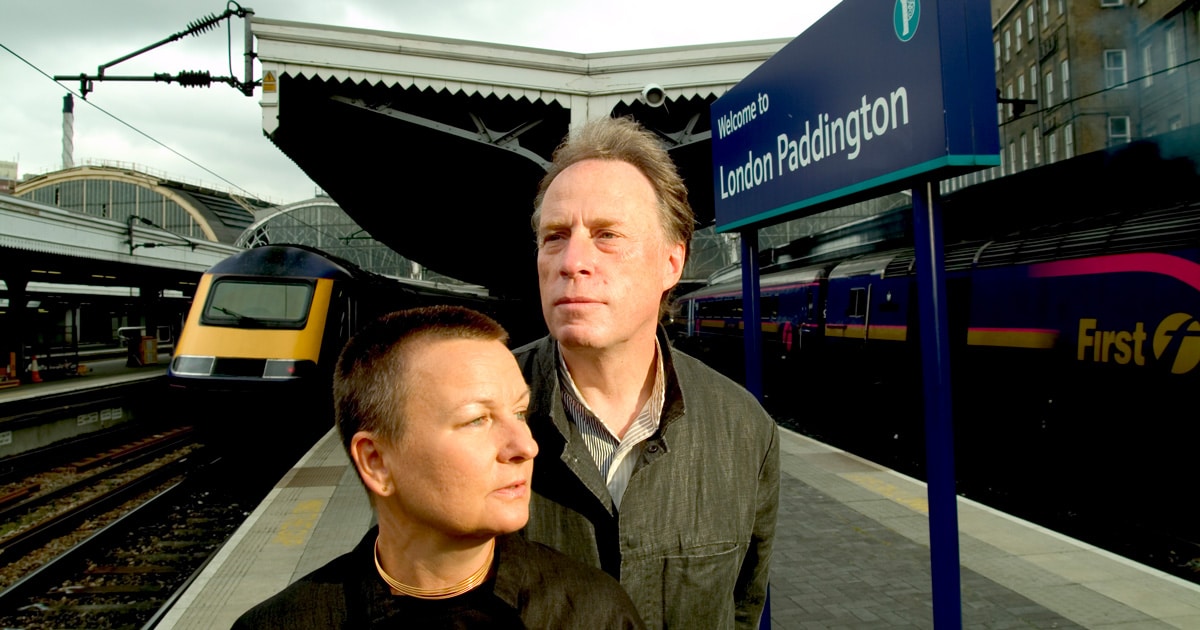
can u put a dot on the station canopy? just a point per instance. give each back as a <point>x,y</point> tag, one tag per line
<point>436,146</point>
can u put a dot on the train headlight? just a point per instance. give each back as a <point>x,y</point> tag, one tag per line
<point>281,369</point>
<point>187,365</point>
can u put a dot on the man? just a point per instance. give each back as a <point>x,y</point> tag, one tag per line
<point>431,409</point>
<point>654,467</point>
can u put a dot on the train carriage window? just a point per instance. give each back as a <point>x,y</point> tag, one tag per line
<point>889,305</point>
<point>769,307</point>
<point>253,304</point>
<point>857,306</point>
<point>721,308</point>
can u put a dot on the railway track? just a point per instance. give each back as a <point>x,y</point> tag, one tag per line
<point>128,573</point>
<point>33,517</point>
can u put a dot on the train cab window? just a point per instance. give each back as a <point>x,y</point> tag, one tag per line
<point>254,304</point>
<point>857,306</point>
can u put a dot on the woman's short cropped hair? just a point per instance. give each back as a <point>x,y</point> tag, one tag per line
<point>369,385</point>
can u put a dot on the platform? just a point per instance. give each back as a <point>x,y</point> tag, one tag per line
<point>101,372</point>
<point>851,552</point>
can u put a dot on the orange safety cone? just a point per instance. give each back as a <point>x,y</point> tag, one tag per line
<point>35,375</point>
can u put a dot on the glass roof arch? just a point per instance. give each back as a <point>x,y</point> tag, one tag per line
<point>321,223</point>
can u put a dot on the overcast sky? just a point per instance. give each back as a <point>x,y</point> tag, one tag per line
<point>218,131</point>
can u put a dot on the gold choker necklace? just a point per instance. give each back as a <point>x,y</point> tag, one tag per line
<point>469,583</point>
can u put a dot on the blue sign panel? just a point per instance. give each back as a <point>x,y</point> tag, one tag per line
<point>870,97</point>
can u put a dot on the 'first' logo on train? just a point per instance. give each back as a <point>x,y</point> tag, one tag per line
<point>1176,342</point>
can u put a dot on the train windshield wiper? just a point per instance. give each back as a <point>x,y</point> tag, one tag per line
<point>242,319</point>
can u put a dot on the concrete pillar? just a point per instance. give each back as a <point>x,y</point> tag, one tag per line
<point>16,319</point>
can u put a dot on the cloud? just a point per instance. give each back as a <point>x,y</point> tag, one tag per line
<point>221,130</point>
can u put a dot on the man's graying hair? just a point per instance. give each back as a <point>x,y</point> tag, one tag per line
<point>624,140</point>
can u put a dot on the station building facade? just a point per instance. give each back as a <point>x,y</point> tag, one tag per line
<point>1096,74</point>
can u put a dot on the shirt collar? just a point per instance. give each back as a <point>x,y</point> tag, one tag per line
<point>657,395</point>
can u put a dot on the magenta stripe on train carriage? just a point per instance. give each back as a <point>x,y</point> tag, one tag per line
<point>1181,269</point>
<point>1042,331</point>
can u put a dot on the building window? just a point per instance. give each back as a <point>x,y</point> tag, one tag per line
<point>1007,45</point>
<point>1148,65</point>
<point>1062,7</point>
<point>1172,39</point>
<point>1110,3</point>
<point>1020,86</point>
<point>1114,69</point>
<point>1068,142</point>
<point>1033,87</point>
<point>1065,72</point>
<point>1037,146</point>
<point>1118,130</point>
<point>1175,123</point>
<point>1049,89</point>
<point>1008,91</point>
<point>1024,152</point>
<point>996,44</point>
<point>1012,156</point>
<point>1051,148</point>
<point>1019,31</point>
<point>1029,19</point>
<point>1045,12</point>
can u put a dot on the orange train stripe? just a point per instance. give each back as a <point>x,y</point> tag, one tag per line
<point>1035,338</point>
<point>1013,337</point>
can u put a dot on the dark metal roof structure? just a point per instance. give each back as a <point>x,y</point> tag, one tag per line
<point>436,146</point>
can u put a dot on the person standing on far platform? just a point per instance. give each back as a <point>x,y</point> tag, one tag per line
<point>431,409</point>
<point>653,466</point>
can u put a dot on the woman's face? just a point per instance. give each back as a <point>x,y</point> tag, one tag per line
<point>464,459</point>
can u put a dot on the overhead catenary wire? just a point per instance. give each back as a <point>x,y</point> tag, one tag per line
<point>127,124</point>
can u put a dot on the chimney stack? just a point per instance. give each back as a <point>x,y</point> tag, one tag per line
<point>68,140</point>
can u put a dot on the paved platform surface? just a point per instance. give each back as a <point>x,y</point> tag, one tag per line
<point>852,552</point>
<point>101,372</point>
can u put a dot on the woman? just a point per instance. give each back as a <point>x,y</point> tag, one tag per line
<point>431,408</point>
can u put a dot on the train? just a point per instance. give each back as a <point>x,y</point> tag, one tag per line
<point>265,328</point>
<point>1074,359</point>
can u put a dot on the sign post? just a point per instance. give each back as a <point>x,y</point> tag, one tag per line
<point>751,313</point>
<point>939,428</point>
<point>875,97</point>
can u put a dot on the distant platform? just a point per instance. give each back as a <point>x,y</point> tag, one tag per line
<point>101,372</point>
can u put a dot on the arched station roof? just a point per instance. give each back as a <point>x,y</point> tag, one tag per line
<point>435,146</point>
<point>121,192</point>
<point>319,222</point>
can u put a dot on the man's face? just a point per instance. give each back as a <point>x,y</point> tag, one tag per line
<point>603,259</point>
<point>464,458</point>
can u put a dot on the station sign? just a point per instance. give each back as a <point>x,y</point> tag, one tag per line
<point>875,96</point>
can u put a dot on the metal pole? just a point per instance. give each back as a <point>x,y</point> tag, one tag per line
<point>751,318</point>
<point>752,336</point>
<point>939,434</point>
<point>248,40</point>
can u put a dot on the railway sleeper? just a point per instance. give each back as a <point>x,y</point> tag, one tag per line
<point>109,589</point>
<point>18,494</point>
<point>124,570</point>
<point>127,450</point>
